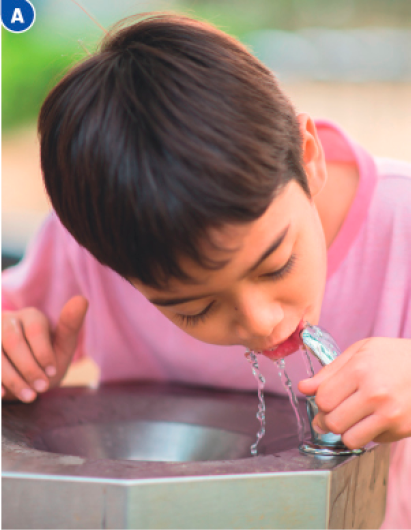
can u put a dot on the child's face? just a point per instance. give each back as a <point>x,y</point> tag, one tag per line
<point>274,279</point>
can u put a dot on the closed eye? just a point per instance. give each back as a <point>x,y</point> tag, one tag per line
<point>192,320</point>
<point>280,273</point>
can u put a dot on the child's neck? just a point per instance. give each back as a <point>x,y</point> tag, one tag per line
<point>335,199</point>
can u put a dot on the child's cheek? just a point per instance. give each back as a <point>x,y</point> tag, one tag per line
<point>312,269</point>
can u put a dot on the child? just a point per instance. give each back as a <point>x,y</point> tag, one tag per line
<point>195,211</point>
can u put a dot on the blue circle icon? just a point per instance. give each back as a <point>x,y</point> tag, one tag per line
<point>17,16</point>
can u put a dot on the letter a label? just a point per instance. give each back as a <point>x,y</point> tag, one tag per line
<point>17,16</point>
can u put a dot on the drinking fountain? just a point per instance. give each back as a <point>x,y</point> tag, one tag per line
<point>146,455</point>
<point>322,346</point>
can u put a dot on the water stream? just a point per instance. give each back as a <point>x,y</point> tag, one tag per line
<point>252,359</point>
<point>307,362</point>
<point>286,381</point>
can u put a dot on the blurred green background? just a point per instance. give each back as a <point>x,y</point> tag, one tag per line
<point>33,62</point>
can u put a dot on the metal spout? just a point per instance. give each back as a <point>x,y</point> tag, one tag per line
<point>327,439</point>
<point>322,346</point>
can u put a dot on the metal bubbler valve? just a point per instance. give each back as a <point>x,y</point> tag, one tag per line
<point>322,346</point>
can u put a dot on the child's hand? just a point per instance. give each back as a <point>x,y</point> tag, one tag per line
<point>365,394</point>
<point>35,359</point>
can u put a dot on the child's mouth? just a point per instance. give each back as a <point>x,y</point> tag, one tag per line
<point>287,347</point>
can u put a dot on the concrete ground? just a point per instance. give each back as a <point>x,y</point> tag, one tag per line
<point>377,115</point>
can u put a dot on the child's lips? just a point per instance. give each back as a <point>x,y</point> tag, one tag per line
<point>287,347</point>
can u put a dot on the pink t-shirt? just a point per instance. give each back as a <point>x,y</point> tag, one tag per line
<point>368,293</point>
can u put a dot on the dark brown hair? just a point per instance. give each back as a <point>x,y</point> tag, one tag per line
<point>170,129</point>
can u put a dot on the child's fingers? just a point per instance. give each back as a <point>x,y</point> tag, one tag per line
<point>345,416</point>
<point>335,390</point>
<point>363,432</point>
<point>309,386</point>
<point>68,327</point>
<point>18,352</point>
<point>36,329</point>
<point>12,381</point>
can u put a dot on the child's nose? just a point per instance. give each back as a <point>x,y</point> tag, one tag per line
<point>257,320</point>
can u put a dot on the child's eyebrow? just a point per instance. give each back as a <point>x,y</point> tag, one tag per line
<point>164,302</point>
<point>272,248</point>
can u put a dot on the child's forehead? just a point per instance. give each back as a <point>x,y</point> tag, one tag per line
<point>232,249</point>
<point>247,243</point>
<point>240,257</point>
<point>233,237</point>
<point>234,262</point>
<point>285,201</point>
<point>226,239</point>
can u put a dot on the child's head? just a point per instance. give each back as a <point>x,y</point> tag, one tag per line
<point>166,147</point>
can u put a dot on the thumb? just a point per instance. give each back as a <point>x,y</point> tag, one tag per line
<point>67,330</point>
<point>310,386</point>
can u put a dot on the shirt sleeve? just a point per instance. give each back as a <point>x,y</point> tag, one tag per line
<point>45,278</point>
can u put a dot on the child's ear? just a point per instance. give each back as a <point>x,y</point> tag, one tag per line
<point>313,155</point>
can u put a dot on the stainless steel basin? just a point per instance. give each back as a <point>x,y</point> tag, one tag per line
<point>160,456</point>
<point>158,441</point>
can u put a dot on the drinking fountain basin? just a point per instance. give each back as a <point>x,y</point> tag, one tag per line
<point>144,455</point>
<point>160,441</point>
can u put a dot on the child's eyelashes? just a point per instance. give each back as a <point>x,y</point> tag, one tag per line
<point>192,320</point>
<point>280,273</point>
